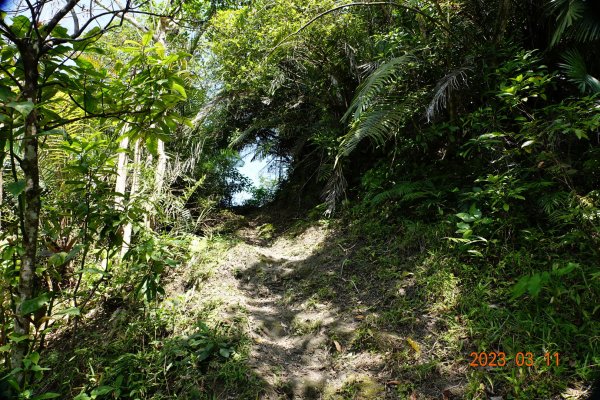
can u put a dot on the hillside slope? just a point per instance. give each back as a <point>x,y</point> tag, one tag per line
<point>276,308</point>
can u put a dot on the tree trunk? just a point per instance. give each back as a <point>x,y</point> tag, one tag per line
<point>121,184</point>
<point>1,189</point>
<point>502,20</point>
<point>31,212</point>
<point>161,162</point>
<point>135,177</point>
<point>161,167</point>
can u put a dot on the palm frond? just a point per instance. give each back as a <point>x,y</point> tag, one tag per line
<point>206,109</point>
<point>588,29</point>
<point>366,69</point>
<point>576,70</point>
<point>376,125</point>
<point>380,122</point>
<point>568,12</point>
<point>443,90</point>
<point>370,90</point>
<point>240,137</point>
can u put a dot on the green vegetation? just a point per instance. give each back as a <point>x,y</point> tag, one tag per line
<point>436,233</point>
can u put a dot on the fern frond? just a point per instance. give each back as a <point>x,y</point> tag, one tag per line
<point>406,191</point>
<point>554,201</point>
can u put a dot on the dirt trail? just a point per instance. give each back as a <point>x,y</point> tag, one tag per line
<point>298,339</point>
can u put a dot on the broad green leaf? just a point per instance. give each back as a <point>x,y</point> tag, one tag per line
<point>32,305</point>
<point>95,50</point>
<point>20,26</point>
<point>34,357</point>
<point>5,93</point>
<point>44,396</point>
<point>5,348</point>
<point>60,32</point>
<point>72,311</point>
<point>84,44</point>
<point>171,59</point>
<point>131,42</point>
<point>102,390</point>
<point>527,143</point>
<point>463,226</point>
<point>466,217</point>
<point>24,107</point>
<point>58,258</point>
<point>567,269</point>
<point>91,102</point>
<point>224,352</point>
<point>146,38</point>
<point>160,50</point>
<point>59,51</point>
<point>16,188</point>
<point>206,352</point>
<point>179,89</point>
<point>84,64</point>
<point>475,212</point>
<point>93,32</point>
<point>187,122</point>
<point>17,338</point>
<point>90,270</point>
<point>152,145</point>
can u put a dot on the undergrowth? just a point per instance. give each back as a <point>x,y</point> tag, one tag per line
<point>528,301</point>
<point>176,346</point>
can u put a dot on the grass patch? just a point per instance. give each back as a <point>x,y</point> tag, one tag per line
<point>454,304</point>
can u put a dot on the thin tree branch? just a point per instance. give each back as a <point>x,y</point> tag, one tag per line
<point>113,14</point>
<point>34,20</point>
<point>123,11</point>
<point>75,20</point>
<point>130,19</point>
<point>115,114</point>
<point>436,3</point>
<point>6,31</point>
<point>59,16</point>
<point>11,76</point>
